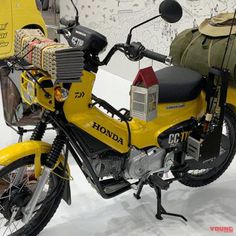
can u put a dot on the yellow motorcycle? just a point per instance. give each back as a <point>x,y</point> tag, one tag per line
<point>178,121</point>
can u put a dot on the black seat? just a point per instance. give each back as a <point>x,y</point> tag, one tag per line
<point>178,84</point>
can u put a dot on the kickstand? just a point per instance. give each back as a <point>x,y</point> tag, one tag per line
<point>160,209</point>
<point>140,188</point>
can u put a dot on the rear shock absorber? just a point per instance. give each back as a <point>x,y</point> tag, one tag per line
<point>55,152</point>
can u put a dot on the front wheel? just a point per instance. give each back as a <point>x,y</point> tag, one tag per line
<point>17,185</point>
<point>199,178</point>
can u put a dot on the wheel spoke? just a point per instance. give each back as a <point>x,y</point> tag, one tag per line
<point>24,183</point>
<point>8,227</point>
<point>15,226</point>
<point>11,184</point>
<point>19,175</point>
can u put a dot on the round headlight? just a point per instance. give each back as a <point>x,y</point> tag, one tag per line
<point>61,94</point>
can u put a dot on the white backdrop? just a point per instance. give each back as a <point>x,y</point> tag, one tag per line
<point>114,18</point>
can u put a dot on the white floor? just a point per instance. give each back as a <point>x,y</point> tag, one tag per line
<point>90,215</point>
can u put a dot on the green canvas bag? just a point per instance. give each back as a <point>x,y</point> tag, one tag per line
<point>199,52</point>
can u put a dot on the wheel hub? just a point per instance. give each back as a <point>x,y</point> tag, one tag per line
<point>14,198</point>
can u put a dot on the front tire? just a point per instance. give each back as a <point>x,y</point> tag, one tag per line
<point>201,178</point>
<point>14,196</point>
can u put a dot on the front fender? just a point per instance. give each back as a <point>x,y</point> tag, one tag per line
<point>18,151</point>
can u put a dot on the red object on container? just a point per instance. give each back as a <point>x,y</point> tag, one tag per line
<point>146,77</point>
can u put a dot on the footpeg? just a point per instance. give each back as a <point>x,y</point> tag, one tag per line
<point>111,185</point>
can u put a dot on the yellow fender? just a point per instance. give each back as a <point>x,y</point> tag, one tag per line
<point>17,151</point>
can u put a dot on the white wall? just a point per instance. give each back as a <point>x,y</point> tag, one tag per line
<point>113,18</point>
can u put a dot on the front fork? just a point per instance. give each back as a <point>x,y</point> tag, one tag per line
<point>30,207</point>
<point>37,135</point>
<point>51,161</point>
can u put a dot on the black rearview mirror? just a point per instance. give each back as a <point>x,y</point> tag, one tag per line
<point>171,11</point>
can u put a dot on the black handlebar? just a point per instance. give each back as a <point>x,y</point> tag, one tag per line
<point>134,51</point>
<point>154,56</point>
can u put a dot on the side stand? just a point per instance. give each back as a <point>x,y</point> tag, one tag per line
<point>140,188</point>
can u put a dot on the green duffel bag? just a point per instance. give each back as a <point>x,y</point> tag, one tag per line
<point>203,48</point>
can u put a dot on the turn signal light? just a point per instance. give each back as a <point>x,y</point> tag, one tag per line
<point>61,94</point>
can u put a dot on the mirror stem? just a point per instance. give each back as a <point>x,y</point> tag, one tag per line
<point>77,13</point>
<point>136,26</point>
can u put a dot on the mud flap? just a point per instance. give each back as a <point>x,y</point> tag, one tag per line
<point>67,193</point>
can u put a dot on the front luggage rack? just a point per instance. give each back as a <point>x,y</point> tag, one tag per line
<point>16,112</point>
<point>62,62</point>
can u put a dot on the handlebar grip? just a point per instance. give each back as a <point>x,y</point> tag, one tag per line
<point>67,23</point>
<point>155,56</point>
<point>64,22</point>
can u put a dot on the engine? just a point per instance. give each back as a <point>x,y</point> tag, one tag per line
<point>140,163</point>
<point>134,166</point>
<point>108,164</point>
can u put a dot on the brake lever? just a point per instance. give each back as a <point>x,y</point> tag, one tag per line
<point>134,51</point>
